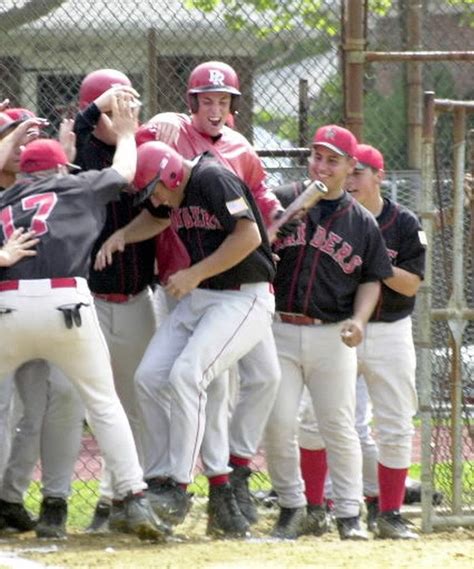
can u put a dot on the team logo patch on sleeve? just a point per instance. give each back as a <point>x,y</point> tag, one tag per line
<point>236,206</point>
<point>422,238</point>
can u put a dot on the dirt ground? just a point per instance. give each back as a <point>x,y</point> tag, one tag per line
<point>189,548</point>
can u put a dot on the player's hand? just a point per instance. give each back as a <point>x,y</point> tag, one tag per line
<point>4,104</point>
<point>27,131</point>
<point>288,228</point>
<point>166,128</point>
<point>116,242</point>
<point>19,245</point>
<point>104,102</point>
<point>67,138</point>
<point>182,282</point>
<point>124,114</point>
<point>352,332</point>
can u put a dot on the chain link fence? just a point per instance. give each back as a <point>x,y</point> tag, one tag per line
<point>288,57</point>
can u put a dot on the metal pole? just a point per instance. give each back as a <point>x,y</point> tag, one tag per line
<point>424,298</point>
<point>303,114</point>
<point>419,56</point>
<point>456,301</point>
<point>414,85</point>
<point>353,47</point>
<point>152,73</point>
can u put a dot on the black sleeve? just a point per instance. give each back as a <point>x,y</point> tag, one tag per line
<point>226,196</point>
<point>86,120</point>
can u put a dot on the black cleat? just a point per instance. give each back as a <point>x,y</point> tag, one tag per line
<point>268,499</point>
<point>141,520</point>
<point>391,525</point>
<point>413,495</point>
<point>317,520</point>
<point>372,507</point>
<point>224,516</point>
<point>118,517</point>
<point>239,480</point>
<point>100,519</point>
<point>349,528</point>
<point>169,501</point>
<point>52,519</point>
<point>291,523</point>
<point>16,516</point>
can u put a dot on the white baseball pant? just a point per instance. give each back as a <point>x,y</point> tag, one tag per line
<point>316,357</point>
<point>36,329</point>
<point>205,335</point>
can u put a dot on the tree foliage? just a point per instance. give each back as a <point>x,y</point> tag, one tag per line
<point>29,12</point>
<point>265,17</point>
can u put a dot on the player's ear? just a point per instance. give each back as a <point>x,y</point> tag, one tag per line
<point>352,164</point>
<point>380,176</point>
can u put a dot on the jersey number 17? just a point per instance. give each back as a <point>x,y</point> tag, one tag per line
<point>43,204</point>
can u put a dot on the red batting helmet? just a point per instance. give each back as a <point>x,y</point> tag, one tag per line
<point>213,77</point>
<point>157,162</point>
<point>20,114</point>
<point>97,82</point>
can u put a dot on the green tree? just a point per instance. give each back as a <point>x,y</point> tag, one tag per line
<point>30,11</point>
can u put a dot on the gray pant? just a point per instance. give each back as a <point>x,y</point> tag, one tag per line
<point>127,327</point>
<point>6,411</point>
<point>49,428</point>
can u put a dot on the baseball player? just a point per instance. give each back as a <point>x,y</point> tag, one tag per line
<point>213,96</point>
<point>327,285</point>
<point>223,314</point>
<point>122,292</point>
<point>52,415</point>
<point>49,293</point>
<point>386,357</point>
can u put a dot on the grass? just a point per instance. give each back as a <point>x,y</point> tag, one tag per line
<point>84,494</point>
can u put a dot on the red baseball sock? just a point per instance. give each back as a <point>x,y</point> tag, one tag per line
<point>218,480</point>
<point>391,487</point>
<point>239,460</point>
<point>314,468</point>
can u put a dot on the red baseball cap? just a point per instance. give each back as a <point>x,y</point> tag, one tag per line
<point>145,133</point>
<point>6,122</point>
<point>368,157</point>
<point>336,138</point>
<point>43,154</point>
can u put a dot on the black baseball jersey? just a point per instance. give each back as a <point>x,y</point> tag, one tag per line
<point>337,247</point>
<point>214,200</point>
<point>66,212</point>
<point>406,246</point>
<point>132,270</point>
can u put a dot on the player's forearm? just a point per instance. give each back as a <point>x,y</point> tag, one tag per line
<point>238,245</point>
<point>6,147</point>
<point>365,301</point>
<point>403,282</point>
<point>125,157</point>
<point>144,226</point>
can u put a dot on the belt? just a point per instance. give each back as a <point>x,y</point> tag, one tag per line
<point>118,298</point>
<point>299,319</point>
<point>53,283</point>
